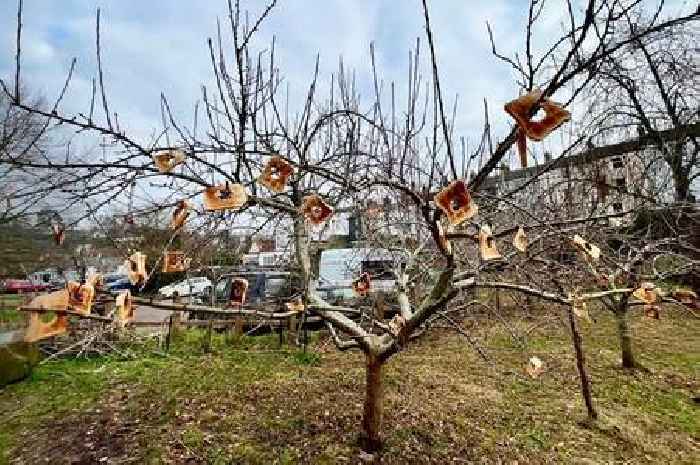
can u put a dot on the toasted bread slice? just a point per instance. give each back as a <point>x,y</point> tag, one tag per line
<point>456,202</point>
<point>315,210</point>
<point>275,174</point>
<point>226,196</point>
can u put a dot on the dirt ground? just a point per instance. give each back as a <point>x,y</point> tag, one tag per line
<point>250,402</point>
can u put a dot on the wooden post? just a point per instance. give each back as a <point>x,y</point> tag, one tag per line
<point>167,337</point>
<point>228,333</point>
<point>291,329</point>
<point>305,339</point>
<point>207,339</point>
<point>581,365</point>
<point>238,328</point>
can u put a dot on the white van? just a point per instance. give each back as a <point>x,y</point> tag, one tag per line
<point>338,268</point>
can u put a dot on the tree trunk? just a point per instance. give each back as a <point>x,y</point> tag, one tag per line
<point>682,186</point>
<point>681,176</point>
<point>581,366</point>
<point>625,335</point>
<point>372,418</point>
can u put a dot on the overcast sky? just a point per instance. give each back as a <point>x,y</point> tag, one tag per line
<point>160,45</point>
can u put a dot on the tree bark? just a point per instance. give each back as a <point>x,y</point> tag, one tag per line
<point>372,418</point>
<point>625,335</point>
<point>581,366</point>
<point>682,186</point>
<point>681,174</point>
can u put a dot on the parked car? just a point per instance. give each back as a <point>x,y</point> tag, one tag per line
<point>269,290</point>
<point>117,283</point>
<point>264,287</point>
<point>186,287</point>
<point>22,286</point>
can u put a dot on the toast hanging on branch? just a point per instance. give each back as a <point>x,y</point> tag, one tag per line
<point>651,312</point>
<point>589,249</point>
<point>535,367</point>
<point>362,285</point>
<point>647,293</point>
<point>166,160</point>
<point>315,210</point>
<point>579,307</point>
<point>174,262</point>
<point>238,293</point>
<point>396,325</point>
<point>80,297</point>
<point>59,233</point>
<point>96,280</point>
<point>182,211</point>
<point>296,305</point>
<point>124,309</point>
<point>520,240</point>
<point>136,268</point>
<point>38,330</point>
<point>57,300</point>
<point>456,202</point>
<point>520,108</point>
<point>487,244</point>
<point>275,174</point>
<point>686,297</point>
<point>226,196</point>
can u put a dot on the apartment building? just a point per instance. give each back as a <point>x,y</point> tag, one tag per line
<point>577,186</point>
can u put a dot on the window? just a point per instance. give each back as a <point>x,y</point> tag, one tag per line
<point>617,162</point>
<point>617,207</point>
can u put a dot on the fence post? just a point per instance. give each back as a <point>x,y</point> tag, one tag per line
<point>291,329</point>
<point>167,338</point>
<point>207,343</point>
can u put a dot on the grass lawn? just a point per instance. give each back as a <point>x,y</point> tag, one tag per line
<point>249,402</point>
<point>9,316</point>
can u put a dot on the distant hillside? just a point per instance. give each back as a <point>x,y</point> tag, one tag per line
<point>33,249</point>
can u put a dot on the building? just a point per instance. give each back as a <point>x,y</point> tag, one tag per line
<point>599,181</point>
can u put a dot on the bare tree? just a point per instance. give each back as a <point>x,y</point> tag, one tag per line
<point>343,151</point>
<point>649,87</point>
